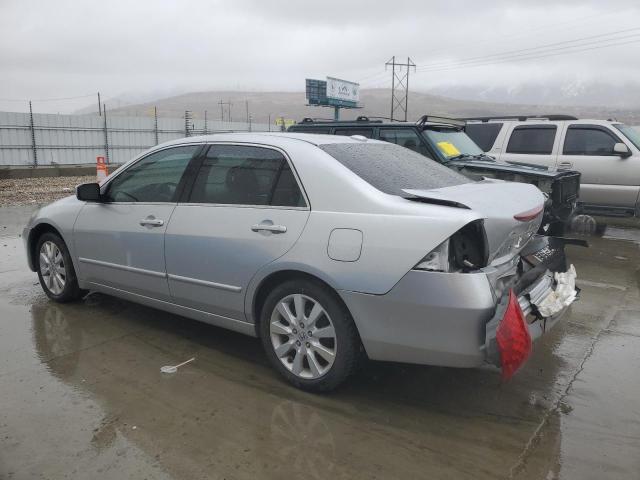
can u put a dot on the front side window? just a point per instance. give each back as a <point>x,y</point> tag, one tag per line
<point>534,139</point>
<point>155,178</point>
<point>246,175</point>
<point>484,134</point>
<point>405,137</point>
<point>588,141</point>
<point>632,133</point>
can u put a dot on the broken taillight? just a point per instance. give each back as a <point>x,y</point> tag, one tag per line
<point>529,214</point>
<point>512,335</point>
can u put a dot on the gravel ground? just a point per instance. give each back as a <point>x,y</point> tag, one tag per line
<point>27,191</point>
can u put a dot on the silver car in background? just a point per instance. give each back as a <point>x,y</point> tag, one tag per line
<point>329,249</point>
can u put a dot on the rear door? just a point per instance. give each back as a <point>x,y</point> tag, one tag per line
<point>536,144</point>
<point>607,178</point>
<point>245,209</point>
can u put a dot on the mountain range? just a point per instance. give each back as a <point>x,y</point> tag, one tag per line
<point>454,102</point>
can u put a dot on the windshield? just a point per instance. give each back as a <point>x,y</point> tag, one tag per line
<point>391,168</point>
<point>631,133</point>
<point>451,142</point>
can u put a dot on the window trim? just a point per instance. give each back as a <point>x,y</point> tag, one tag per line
<point>104,187</point>
<point>553,127</point>
<point>201,157</point>
<point>589,126</point>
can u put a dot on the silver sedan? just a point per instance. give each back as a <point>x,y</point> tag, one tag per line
<point>329,249</point>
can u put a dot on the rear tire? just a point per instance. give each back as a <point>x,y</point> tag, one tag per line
<point>309,335</point>
<point>55,269</point>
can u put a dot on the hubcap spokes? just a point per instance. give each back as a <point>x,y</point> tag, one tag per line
<point>303,336</point>
<point>52,267</point>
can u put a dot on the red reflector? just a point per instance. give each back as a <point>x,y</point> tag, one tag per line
<point>529,214</point>
<point>514,341</point>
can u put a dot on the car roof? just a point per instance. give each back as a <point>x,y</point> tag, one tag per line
<point>539,120</point>
<point>370,124</point>
<point>278,139</point>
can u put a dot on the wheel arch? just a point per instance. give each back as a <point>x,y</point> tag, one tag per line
<point>271,280</point>
<point>35,233</point>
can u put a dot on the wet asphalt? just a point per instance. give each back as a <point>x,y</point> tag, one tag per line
<point>82,395</point>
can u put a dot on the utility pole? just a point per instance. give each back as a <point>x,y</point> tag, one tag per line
<point>399,86</point>
<point>246,102</point>
<point>222,104</point>
<point>99,105</point>
<point>206,132</point>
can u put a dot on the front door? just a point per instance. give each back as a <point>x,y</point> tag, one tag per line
<point>245,210</point>
<point>120,241</point>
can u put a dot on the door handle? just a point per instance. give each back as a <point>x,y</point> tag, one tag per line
<point>565,165</point>
<point>151,222</point>
<point>267,227</point>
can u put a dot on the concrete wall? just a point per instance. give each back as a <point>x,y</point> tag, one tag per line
<point>78,139</point>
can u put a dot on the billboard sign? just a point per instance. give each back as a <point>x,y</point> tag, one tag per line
<point>343,90</point>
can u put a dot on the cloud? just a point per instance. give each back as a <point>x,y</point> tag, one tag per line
<point>67,48</point>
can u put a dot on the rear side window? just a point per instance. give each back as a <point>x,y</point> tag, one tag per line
<point>365,132</point>
<point>484,134</point>
<point>588,141</point>
<point>310,129</point>
<point>244,175</point>
<point>534,139</point>
<point>391,168</point>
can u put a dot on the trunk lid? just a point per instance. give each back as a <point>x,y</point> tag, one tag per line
<point>512,212</point>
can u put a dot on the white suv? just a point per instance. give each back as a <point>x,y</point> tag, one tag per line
<point>605,152</point>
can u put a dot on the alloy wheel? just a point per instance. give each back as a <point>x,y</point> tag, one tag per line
<point>52,267</point>
<point>303,336</point>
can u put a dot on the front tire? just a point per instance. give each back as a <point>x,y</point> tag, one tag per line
<point>309,335</point>
<point>55,269</point>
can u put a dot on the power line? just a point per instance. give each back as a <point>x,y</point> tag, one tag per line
<point>45,99</point>
<point>530,57</point>
<point>374,79</point>
<point>533,49</point>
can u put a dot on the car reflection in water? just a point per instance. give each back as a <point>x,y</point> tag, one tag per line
<point>230,413</point>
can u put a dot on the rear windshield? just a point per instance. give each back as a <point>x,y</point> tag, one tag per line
<point>391,168</point>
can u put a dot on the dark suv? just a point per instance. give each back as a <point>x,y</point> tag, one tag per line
<point>444,140</point>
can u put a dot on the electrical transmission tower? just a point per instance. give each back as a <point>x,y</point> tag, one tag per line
<point>399,86</point>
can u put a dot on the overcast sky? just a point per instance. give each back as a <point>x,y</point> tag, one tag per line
<point>141,48</point>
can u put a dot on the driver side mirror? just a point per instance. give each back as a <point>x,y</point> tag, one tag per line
<point>622,150</point>
<point>88,192</point>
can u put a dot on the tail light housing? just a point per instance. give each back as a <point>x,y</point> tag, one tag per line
<point>466,250</point>
<point>512,336</point>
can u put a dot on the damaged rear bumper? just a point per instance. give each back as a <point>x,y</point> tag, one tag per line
<point>543,294</point>
<point>436,318</point>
